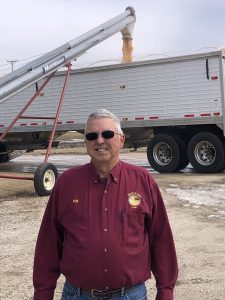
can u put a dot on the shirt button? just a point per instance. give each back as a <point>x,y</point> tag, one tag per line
<point>106,209</point>
<point>96,181</point>
<point>105,191</point>
<point>105,250</point>
<point>106,288</point>
<point>106,270</point>
<point>105,229</point>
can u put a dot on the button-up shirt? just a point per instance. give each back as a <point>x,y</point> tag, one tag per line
<point>105,235</point>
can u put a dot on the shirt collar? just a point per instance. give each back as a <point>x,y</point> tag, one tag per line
<point>114,174</point>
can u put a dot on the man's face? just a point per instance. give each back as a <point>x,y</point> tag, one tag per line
<point>104,150</point>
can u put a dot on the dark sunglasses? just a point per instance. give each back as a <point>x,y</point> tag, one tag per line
<point>107,134</point>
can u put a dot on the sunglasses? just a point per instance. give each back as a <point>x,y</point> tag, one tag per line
<point>106,134</point>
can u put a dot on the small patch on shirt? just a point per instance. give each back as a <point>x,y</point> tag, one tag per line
<point>134,199</point>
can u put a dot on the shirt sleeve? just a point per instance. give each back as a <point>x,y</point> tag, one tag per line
<point>48,251</point>
<point>163,254</point>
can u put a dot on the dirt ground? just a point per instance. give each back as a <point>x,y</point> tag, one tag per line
<point>198,234</point>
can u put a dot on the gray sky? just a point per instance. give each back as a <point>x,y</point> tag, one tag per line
<point>32,27</point>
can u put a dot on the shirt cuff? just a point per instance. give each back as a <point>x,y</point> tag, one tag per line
<point>164,294</point>
<point>44,295</point>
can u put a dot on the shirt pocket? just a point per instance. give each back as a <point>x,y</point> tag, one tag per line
<point>132,229</point>
<point>76,230</point>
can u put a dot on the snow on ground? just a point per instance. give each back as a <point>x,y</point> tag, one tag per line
<point>212,196</point>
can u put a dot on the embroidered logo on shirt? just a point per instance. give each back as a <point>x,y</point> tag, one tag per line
<point>75,201</point>
<point>134,199</point>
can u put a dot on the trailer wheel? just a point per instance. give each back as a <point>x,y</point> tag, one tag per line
<point>222,168</point>
<point>163,153</point>
<point>44,179</point>
<point>184,161</point>
<point>4,156</point>
<point>206,152</point>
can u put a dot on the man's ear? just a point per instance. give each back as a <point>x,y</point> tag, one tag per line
<point>122,140</point>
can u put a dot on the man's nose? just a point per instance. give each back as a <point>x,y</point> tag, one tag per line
<point>100,139</point>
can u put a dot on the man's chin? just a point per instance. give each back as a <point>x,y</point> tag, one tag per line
<point>102,158</point>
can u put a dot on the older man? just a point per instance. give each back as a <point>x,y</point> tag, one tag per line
<point>105,226</point>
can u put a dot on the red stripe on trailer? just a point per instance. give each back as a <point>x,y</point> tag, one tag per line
<point>139,118</point>
<point>214,77</point>
<point>153,118</point>
<point>59,122</point>
<point>206,115</point>
<point>216,113</point>
<point>1,125</point>
<point>189,116</point>
<point>23,124</point>
<point>33,124</point>
<point>69,122</point>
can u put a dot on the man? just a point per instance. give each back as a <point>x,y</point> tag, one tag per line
<point>105,226</point>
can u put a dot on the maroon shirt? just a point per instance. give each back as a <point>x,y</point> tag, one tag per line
<point>105,235</point>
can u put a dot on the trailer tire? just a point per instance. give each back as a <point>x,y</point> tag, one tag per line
<point>163,153</point>
<point>222,168</point>
<point>206,152</point>
<point>44,178</point>
<point>184,161</point>
<point>4,156</point>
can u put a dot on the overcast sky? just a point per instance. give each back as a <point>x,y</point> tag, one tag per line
<point>32,27</point>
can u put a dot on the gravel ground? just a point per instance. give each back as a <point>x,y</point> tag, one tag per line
<point>198,231</point>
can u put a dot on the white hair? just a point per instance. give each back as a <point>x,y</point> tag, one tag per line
<point>104,113</point>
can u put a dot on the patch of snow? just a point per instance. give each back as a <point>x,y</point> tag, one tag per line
<point>202,195</point>
<point>213,195</point>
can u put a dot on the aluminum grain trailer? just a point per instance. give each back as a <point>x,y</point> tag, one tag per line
<point>174,105</point>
